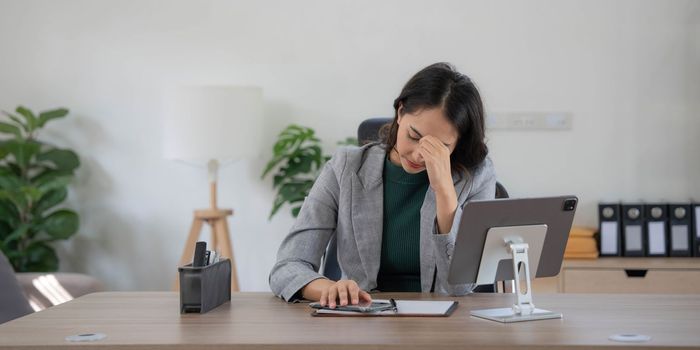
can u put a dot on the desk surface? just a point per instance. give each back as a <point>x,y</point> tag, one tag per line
<point>151,320</point>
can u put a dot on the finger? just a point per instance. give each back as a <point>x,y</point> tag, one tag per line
<point>324,297</point>
<point>427,150</point>
<point>343,295</point>
<point>436,144</point>
<point>332,295</point>
<point>354,293</point>
<point>364,296</point>
<point>429,140</point>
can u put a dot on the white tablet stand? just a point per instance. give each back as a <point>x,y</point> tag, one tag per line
<point>523,244</point>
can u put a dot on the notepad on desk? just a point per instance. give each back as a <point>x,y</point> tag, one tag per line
<point>412,308</point>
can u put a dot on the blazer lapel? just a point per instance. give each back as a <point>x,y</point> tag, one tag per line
<point>427,258</point>
<point>368,212</point>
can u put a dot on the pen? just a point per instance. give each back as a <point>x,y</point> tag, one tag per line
<point>393,305</point>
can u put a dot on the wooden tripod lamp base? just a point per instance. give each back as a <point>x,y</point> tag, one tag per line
<point>220,237</point>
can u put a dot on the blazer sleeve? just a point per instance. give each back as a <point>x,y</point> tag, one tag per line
<point>299,255</point>
<point>483,187</point>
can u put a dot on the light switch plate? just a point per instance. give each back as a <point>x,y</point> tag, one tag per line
<point>530,121</point>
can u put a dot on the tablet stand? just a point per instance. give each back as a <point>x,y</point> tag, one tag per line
<point>512,244</point>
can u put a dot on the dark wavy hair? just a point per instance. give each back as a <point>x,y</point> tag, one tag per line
<point>441,85</point>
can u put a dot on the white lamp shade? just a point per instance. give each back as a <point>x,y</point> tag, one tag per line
<point>222,123</point>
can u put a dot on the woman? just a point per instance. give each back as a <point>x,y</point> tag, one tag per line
<point>394,206</point>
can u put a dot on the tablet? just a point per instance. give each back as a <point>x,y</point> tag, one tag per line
<point>478,217</point>
<point>374,306</point>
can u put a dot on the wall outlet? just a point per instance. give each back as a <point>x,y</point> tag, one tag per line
<point>530,121</point>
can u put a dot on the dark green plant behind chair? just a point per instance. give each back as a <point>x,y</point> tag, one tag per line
<point>367,132</point>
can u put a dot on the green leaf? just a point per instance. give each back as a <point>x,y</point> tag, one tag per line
<point>4,151</point>
<point>31,192</point>
<point>297,166</point>
<point>40,257</point>
<point>7,128</point>
<point>28,116</point>
<point>290,145</point>
<point>278,180</point>
<point>64,160</point>
<point>295,211</point>
<point>276,205</point>
<point>50,200</point>
<point>17,120</point>
<point>10,181</point>
<point>16,197</point>
<point>349,141</point>
<point>61,224</point>
<point>44,117</point>
<point>18,234</point>
<point>52,184</point>
<point>16,170</point>
<point>298,159</point>
<point>49,175</point>
<point>23,151</point>
<point>9,213</point>
<point>271,164</point>
<point>293,191</point>
<point>290,138</point>
<point>11,255</point>
<point>5,230</point>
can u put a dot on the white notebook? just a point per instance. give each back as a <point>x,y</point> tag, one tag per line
<point>404,308</point>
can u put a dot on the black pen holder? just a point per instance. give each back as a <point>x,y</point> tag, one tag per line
<point>204,288</point>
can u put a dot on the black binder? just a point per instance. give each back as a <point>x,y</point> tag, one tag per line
<point>696,229</point>
<point>656,229</point>
<point>633,229</point>
<point>680,229</point>
<point>609,242</point>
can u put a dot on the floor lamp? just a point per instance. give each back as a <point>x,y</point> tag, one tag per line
<point>208,127</point>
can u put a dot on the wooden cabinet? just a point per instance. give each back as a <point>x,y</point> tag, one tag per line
<point>625,275</point>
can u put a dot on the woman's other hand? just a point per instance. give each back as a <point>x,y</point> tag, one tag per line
<point>330,293</point>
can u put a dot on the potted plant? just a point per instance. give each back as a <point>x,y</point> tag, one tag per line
<point>34,176</point>
<point>298,159</point>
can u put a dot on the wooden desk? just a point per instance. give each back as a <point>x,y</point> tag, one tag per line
<point>151,320</point>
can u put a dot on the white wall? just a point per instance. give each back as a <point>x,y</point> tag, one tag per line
<point>628,71</point>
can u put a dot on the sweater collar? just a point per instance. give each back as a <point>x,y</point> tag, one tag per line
<point>396,173</point>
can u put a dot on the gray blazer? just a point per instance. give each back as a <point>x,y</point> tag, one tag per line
<point>347,201</point>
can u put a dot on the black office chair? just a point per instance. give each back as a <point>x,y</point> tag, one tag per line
<point>367,132</point>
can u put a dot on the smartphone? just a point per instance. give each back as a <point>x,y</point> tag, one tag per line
<point>374,306</point>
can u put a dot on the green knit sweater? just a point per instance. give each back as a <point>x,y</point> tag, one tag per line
<point>404,193</point>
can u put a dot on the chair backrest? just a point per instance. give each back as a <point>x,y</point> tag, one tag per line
<point>13,303</point>
<point>367,132</point>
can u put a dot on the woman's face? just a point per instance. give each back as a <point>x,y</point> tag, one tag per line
<point>412,127</point>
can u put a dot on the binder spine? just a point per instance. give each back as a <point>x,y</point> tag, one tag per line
<point>633,236</point>
<point>609,240</point>
<point>680,230</point>
<point>696,229</point>
<point>656,229</point>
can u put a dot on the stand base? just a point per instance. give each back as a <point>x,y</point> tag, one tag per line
<point>506,315</point>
